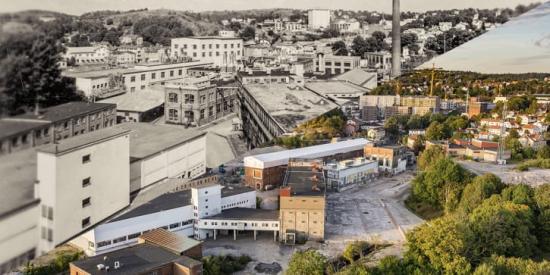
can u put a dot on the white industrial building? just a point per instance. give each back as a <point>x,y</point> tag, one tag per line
<point>81,182</point>
<point>178,212</point>
<point>346,174</point>
<point>219,50</point>
<point>159,152</point>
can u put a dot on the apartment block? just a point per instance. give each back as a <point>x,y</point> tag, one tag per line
<point>53,124</point>
<point>197,101</point>
<point>223,52</point>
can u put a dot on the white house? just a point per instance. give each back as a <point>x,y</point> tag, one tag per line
<point>345,174</point>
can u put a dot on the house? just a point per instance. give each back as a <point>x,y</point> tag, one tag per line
<point>391,159</point>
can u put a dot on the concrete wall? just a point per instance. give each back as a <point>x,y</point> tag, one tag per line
<point>302,215</point>
<point>61,187</point>
<point>18,237</point>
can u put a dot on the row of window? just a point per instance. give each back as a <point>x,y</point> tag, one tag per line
<point>135,235</point>
<point>154,75</point>
<point>236,204</point>
<point>194,46</point>
<point>210,54</point>
<point>253,224</point>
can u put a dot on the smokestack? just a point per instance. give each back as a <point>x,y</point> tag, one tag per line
<point>396,40</point>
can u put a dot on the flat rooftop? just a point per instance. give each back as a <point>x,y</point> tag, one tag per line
<point>161,203</point>
<point>240,213</point>
<point>357,76</point>
<point>171,241</point>
<point>18,172</point>
<point>140,101</point>
<point>137,69</point>
<point>136,259</point>
<point>64,111</point>
<point>327,87</point>
<point>318,151</point>
<point>289,105</point>
<point>231,190</point>
<point>148,139</point>
<point>9,128</point>
<point>82,141</point>
<point>301,184</point>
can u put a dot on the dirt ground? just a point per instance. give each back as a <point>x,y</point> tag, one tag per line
<point>508,174</point>
<point>374,212</point>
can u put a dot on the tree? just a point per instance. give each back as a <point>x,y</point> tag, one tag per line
<point>512,266</point>
<point>441,184</point>
<point>440,245</point>
<point>309,262</point>
<point>542,200</point>
<point>430,156</point>
<point>481,188</point>
<point>359,46</point>
<point>408,39</point>
<point>544,152</point>
<point>503,228</point>
<point>330,33</point>
<point>378,35</point>
<point>339,48</point>
<point>437,131</point>
<point>520,194</point>
<point>355,250</point>
<point>391,127</point>
<point>248,33</point>
<point>30,74</point>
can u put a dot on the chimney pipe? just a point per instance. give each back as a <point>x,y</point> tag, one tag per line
<point>396,40</point>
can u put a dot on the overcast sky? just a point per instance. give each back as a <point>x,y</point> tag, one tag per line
<point>81,6</point>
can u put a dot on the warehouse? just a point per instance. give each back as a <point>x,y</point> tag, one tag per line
<point>266,170</point>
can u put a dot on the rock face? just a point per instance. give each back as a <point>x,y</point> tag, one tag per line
<point>265,268</point>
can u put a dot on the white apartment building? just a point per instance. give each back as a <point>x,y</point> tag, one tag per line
<point>220,51</point>
<point>179,212</point>
<point>139,77</point>
<point>346,174</point>
<point>318,18</point>
<point>87,55</point>
<point>80,182</point>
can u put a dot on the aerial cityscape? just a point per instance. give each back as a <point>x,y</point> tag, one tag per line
<point>271,137</point>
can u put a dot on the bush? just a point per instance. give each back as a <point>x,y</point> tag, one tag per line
<point>224,264</point>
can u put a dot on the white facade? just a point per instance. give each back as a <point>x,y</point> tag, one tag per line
<point>87,55</point>
<point>19,238</point>
<point>348,173</point>
<point>346,26</point>
<point>318,19</point>
<point>221,51</point>
<point>81,183</point>
<point>186,160</point>
<point>179,212</point>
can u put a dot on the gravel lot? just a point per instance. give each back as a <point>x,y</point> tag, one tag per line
<point>533,177</point>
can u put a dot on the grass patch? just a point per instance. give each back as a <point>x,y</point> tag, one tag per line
<point>422,209</point>
<point>533,163</point>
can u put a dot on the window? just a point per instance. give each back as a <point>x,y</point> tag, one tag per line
<point>347,64</point>
<point>180,72</point>
<point>133,236</point>
<point>194,46</point>
<point>189,99</point>
<point>133,79</point>
<point>173,97</point>
<point>153,75</point>
<point>162,75</point>
<point>142,87</point>
<point>121,239</point>
<point>174,225</point>
<point>171,73</point>
<point>103,243</point>
<point>87,181</point>
<point>142,76</point>
<point>86,202</point>
<point>132,89</point>
<point>172,114</point>
<point>86,222</point>
<point>86,158</point>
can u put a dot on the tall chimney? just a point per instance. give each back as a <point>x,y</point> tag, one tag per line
<point>396,41</point>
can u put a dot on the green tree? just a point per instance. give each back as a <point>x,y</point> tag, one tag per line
<point>544,152</point>
<point>440,245</point>
<point>437,131</point>
<point>542,200</point>
<point>248,33</point>
<point>512,266</point>
<point>503,228</point>
<point>520,194</point>
<point>430,156</point>
<point>355,250</point>
<point>309,262</point>
<point>481,188</point>
<point>391,126</point>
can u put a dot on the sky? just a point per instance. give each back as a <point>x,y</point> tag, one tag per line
<point>78,7</point>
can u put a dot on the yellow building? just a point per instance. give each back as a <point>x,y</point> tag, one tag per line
<point>302,203</point>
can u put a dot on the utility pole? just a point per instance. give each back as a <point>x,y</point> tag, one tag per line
<point>396,40</point>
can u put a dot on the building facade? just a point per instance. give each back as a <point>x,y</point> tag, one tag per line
<point>346,174</point>
<point>318,19</point>
<point>223,52</point>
